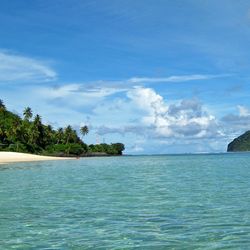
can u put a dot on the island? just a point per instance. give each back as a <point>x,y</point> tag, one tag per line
<point>241,143</point>
<point>28,134</point>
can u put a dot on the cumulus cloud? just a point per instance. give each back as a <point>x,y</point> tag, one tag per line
<point>187,118</point>
<point>155,118</point>
<point>14,68</point>
<point>240,120</point>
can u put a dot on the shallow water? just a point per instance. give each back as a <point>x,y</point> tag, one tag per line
<point>140,202</point>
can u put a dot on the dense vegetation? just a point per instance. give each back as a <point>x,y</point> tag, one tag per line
<point>30,135</point>
<point>242,143</point>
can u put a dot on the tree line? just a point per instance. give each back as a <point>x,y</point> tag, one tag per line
<point>29,135</point>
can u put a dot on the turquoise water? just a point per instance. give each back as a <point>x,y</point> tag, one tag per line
<point>141,202</point>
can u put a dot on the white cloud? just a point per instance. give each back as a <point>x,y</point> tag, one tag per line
<point>181,78</point>
<point>16,68</point>
<point>99,92</point>
<point>80,90</point>
<point>77,95</point>
<point>147,99</point>
<point>187,118</point>
<point>104,87</point>
<point>243,111</point>
<point>237,123</point>
<point>59,92</point>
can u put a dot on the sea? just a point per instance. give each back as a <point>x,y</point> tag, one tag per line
<point>129,202</point>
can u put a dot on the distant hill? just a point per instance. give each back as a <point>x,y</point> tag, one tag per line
<point>242,143</point>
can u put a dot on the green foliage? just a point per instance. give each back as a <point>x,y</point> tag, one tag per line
<point>67,149</point>
<point>32,136</point>
<point>2,106</point>
<point>242,143</point>
<point>118,147</point>
<point>17,147</point>
<point>27,113</point>
<point>113,149</point>
<point>84,130</point>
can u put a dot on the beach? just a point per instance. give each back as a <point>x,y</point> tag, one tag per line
<point>11,157</point>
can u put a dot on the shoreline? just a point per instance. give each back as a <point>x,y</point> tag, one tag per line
<point>13,157</point>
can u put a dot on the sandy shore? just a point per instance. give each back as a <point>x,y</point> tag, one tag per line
<point>10,157</point>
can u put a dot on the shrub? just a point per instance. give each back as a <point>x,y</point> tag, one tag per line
<point>67,149</point>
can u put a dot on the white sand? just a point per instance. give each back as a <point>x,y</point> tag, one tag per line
<point>10,157</point>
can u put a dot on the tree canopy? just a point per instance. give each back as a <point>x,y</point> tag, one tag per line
<point>32,136</point>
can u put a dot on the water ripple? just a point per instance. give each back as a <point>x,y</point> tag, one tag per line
<point>149,202</point>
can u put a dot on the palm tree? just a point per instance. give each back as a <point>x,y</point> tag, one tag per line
<point>27,113</point>
<point>2,134</point>
<point>49,135</point>
<point>84,130</point>
<point>38,120</point>
<point>2,106</point>
<point>68,133</point>
<point>59,135</point>
<point>38,130</point>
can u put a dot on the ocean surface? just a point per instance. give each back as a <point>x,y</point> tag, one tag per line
<point>130,202</point>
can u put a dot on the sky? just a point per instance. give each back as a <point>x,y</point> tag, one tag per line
<point>160,76</point>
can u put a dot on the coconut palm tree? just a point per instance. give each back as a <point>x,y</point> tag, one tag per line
<point>59,135</point>
<point>38,130</point>
<point>68,133</point>
<point>27,113</point>
<point>49,135</point>
<point>2,106</point>
<point>84,130</point>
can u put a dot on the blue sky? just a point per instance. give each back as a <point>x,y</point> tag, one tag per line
<point>160,76</point>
